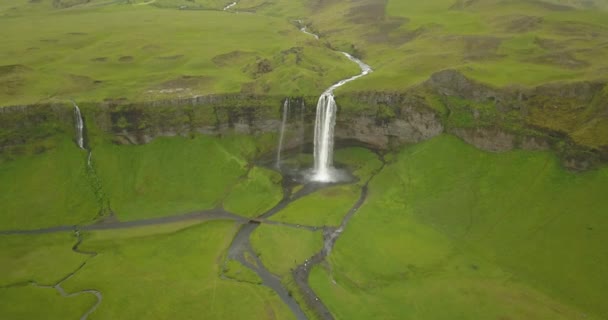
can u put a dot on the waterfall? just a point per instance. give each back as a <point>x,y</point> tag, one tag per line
<point>324,126</point>
<point>79,124</point>
<point>324,137</point>
<point>282,133</point>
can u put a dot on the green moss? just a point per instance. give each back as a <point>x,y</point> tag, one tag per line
<point>171,175</point>
<point>45,259</point>
<point>47,189</point>
<point>42,303</point>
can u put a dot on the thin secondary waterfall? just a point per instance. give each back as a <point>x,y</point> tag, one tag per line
<point>79,124</point>
<point>230,5</point>
<point>282,133</point>
<point>324,126</point>
<point>302,126</point>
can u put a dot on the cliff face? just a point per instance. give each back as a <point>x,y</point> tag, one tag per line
<point>570,118</point>
<point>565,118</point>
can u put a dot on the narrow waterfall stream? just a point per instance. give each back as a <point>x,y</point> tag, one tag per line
<point>79,125</point>
<point>304,29</point>
<point>282,133</point>
<point>230,5</point>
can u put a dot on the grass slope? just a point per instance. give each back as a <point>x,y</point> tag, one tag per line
<point>450,232</point>
<point>47,189</point>
<point>170,175</point>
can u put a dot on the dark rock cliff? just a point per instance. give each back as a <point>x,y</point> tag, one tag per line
<point>497,120</point>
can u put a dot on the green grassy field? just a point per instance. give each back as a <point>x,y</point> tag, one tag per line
<point>257,193</point>
<point>282,249</point>
<point>450,232</point>
<point>447,231</point>
<point>42,303</point>
<point>45,259</point>
<point>103,51</point>
<point>47,189</point>
<point>169,175</point>
<point>171,275</point>
<point>325,207</point>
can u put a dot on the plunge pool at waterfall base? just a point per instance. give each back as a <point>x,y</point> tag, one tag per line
<point>298,167</point>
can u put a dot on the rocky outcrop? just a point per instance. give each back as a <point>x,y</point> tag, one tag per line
<point>565,117</point>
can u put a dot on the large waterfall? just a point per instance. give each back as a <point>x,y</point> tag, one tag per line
<point>79,125</point>
<point>324,127</point>
<point>282,133</point>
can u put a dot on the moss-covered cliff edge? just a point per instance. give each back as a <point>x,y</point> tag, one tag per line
<point>569,118</point>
